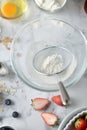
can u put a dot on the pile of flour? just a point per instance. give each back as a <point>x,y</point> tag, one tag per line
<point>52,64</point>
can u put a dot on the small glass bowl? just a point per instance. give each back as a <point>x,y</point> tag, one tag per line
<point>39,34</point>
<point>12,9</point>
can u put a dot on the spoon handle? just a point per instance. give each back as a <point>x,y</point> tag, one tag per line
<point>64,95</point>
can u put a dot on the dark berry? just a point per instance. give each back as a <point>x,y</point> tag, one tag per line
<point>8,102</point>
<point>15,114</point>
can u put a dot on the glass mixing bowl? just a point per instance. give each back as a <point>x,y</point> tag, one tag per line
<point>39,34</point>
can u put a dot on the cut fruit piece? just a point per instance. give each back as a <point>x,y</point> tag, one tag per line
<point>40,103</point>
<point>80,124</point>
<point>57,99</point>
<point>50,119</point>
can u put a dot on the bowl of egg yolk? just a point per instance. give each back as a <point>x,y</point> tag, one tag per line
<point>12,9</point>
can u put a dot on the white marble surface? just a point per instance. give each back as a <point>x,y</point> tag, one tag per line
<point>20,93</point>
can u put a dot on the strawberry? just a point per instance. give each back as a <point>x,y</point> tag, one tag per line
<point>57,99</point>
<point>50,119</point>
<point>80,124</point>
<point>40,103</point>
<point>86,129</point>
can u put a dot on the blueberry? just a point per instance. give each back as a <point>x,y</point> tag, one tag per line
<point>15,114</point>
<point>8,102</point>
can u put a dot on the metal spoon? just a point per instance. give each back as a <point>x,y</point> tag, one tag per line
<point>67,58</point>
<point>64,94</point>
<point>3,69</point>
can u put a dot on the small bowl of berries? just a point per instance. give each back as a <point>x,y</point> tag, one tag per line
<point>76,120</point>
<point>6,128</point>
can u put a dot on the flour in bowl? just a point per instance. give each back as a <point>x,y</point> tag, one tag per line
<point>52,64</point>
<point>49,4</point>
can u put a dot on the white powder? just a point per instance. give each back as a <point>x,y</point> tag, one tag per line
<point>52,64</point>
<point>50,4</point>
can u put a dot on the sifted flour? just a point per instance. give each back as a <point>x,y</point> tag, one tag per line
<point>52,64</point>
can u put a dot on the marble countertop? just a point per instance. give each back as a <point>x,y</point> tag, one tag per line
<point>20,93</point>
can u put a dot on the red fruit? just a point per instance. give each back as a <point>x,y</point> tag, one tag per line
<point>50,118</point>
<point>57,99</point>
<point>80,124</point>
<point>40,103</point>
<point>86,129</point>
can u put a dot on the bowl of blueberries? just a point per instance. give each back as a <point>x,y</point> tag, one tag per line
<point>6,128</point>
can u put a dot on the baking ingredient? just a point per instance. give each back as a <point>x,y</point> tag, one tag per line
<point>57,99</point>
<point>9,10</point>
<point>8,102</point>
<point>40,103</point>
<point>80,124</point>
<point>50,5</point>
<point>15,114</point>
<point>12,9</point>
<point>50,119</point>
<point>52,64</point>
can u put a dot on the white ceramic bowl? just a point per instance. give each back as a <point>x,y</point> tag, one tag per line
<point>67,123</point>
<point>50,5</point>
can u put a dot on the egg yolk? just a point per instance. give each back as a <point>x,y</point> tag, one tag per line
<point>9,10</point>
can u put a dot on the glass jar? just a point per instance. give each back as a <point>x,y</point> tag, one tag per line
<point>11,9</point>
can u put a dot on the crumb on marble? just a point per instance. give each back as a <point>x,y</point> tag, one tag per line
<point>13,91</point>
<point>5,41</point>
<point>5,89</point>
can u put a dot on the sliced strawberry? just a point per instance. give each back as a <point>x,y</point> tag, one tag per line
<point>40,103</point>
<point>57,99</point>
<point>80,124</point>
<point>50,118</point>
